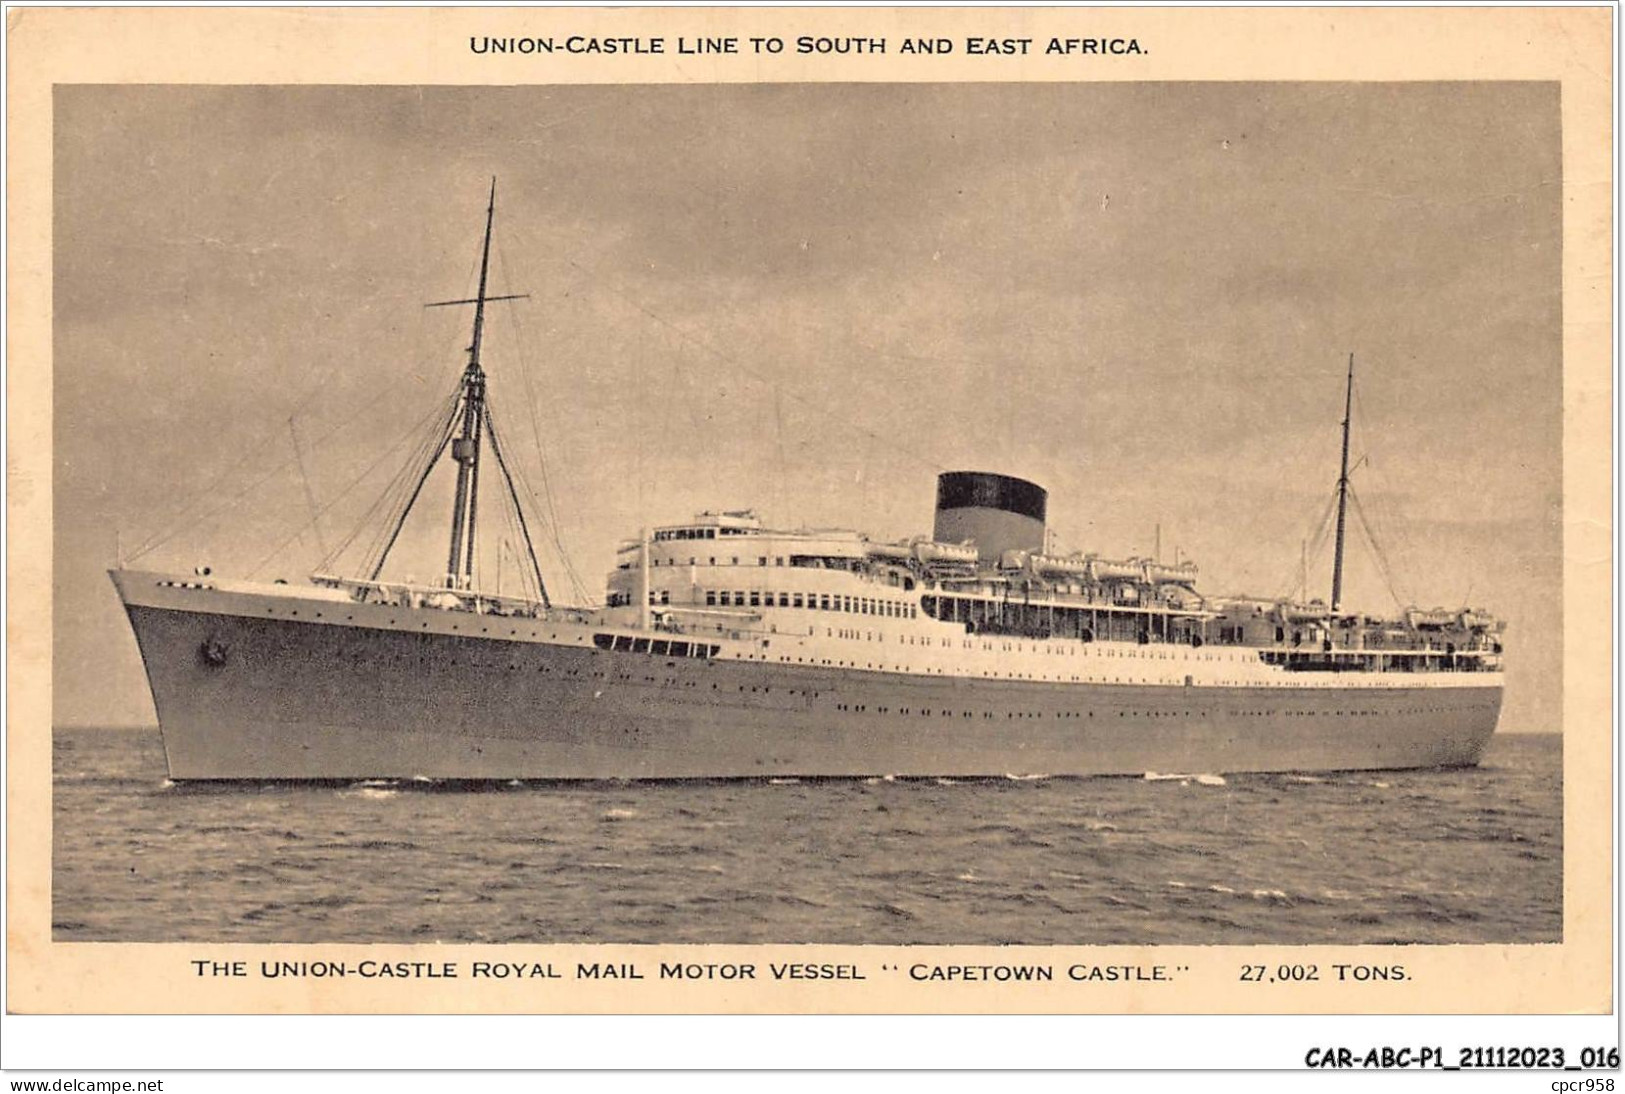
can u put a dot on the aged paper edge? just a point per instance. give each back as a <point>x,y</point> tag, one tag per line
<point>423,46</point>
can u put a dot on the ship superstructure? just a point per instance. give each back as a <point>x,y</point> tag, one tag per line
<point>723,571</point>
<point>730,648</point>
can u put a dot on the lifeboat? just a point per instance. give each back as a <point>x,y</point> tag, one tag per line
<point>928,551</point>
<point>897,551</point>
<point>1103,568</point>
<point>1014,560</point>
<point>1072,567</point>
<point>1160,573</point>
<point>1297,613</point>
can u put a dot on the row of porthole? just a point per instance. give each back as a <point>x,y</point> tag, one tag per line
<point>1008,676</point>
<point>1143,713</point>
<point>483,630</point>
<point>1074,679</point>
<point>1027,676</point>
<point>1248,713</point>
<point>1015,676</point>
<point>1059,714</point>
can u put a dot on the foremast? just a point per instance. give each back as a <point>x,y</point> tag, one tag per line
<point>469,429</point>
<point>1342,495</point>
<point>465,449</point>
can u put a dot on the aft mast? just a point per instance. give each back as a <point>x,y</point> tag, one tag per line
<point>1342,495</point>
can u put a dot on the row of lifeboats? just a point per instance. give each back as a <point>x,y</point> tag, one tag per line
<point>1086,567</point>
<point>1445,619</point>
<point>1090,568</point>
<point>926,552</point>
<point>1316,612</point>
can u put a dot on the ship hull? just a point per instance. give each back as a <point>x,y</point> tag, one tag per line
<point>279,697</point>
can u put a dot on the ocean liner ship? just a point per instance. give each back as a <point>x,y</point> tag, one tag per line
<point>727,648</point>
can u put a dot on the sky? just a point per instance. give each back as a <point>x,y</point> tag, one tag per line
<point>808,300</point>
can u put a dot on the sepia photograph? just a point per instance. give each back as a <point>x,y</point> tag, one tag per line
<point>938,513</point>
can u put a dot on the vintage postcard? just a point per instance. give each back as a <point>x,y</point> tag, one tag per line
<point>810,511</point>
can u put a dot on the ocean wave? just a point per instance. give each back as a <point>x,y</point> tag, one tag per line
<point>368,845</point>
<point>370,793</point>
<point>1201,779</point>
<point>328,900</point>
<point>527,841</point>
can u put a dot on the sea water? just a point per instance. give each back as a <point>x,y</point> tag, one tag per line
<point>1468,855</point>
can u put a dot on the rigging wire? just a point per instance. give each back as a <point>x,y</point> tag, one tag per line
<point>338,498</point>
<point>1384,567</point>
<point>506,548</point>
<point>406,510</point>
<point>227,503</point>
<point>1317,540</point>
<point>180,523</point>
<point>502,465</point>
<point>570,572</point>
<point>221,504</point>
<point>553,523</point>
<point>389,490</point>
<point>214,503</point>
<point>390,499</point>
<point>304,479</point>
<point>1382,527</point>
<point>164,535</point>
